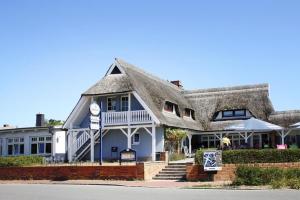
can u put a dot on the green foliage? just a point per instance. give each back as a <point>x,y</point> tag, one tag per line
<point>276,177</point>
<point>174,136</point>
<point>245,156</point>
<point>176,156</point>
<point>54,122</point>
<point>20,161</point>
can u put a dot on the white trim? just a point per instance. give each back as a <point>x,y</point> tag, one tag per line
<point>112,66</point>
<point>155,119</point>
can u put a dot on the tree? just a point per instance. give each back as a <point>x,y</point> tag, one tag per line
<point>54,122</point>
<point>174,136</point>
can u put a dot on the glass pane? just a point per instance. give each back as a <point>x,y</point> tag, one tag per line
<point>136,138</point>
<point>21,139</point>
<point>33,148</point>
<point>48,138</point>
<point>34,139</point>
<point>41,138</point>
<point>228,113</point>
<point>21,148</point>
<point>16,140</point>
<point>10,140</point>
<point>10,149</point>
<point>48,148</point>
<point>41,148</point>
<point>240,113</point>
<point>16,149</point>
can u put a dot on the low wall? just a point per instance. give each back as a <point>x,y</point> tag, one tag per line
<point>73,172</point>
<point>197,173</point>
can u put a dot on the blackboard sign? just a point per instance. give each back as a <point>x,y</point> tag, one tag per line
<point>128,155</point>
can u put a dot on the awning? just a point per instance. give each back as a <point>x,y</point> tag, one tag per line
<point>297,125</point>
<point>254,125</point>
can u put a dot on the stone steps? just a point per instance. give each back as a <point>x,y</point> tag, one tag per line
<point>174,171</point>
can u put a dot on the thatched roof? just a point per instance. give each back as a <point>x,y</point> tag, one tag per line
<point>207,102</point>
<point>285,118</point>
<point>153,91</point>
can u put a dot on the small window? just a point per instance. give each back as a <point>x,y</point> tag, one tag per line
<point>116,70</point>
<point>33,148</point>
<point>111,104</point>
<point>169,106</point>
<point>10,149</point>
<point>124,103</point>
<point>48,148</point>
<point>189,113</point>
<point>136,139</point>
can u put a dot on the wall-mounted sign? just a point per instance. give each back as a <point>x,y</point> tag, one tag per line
<point>212,160</point>
<point>95,109</point>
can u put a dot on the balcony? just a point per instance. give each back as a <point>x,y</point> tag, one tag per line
<point>125,118</point>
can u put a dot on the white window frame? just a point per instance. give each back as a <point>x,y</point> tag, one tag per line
<point>113,110</point>
<point>122,102</point>
<point>46,140</point>
<point>15,141</point>
<point>133,139</point>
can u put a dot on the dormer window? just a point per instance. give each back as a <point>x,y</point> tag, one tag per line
<point>189,113</point>
<point>116,70</point>
<point>234,113</point>
<point>172,108</point>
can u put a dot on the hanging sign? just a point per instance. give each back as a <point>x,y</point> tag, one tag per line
<point>212,160</point>
<point>95,118</point>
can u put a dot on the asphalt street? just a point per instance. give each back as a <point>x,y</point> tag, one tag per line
<point>91,192</point>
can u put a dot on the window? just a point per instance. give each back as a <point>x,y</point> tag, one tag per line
<point>41,145</point>
<point>234,113</point>
<point>116,70</point>
<point>136,139</point>
<point>111,104</point>
<point>15,146</point>
<point>124,103</point>
<point>189,113</point>
<point>169,106</point>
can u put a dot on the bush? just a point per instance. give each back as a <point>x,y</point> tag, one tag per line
<point>245,156</point>
<point>276,177</point>
<point>176,156</point>
<point>20,161</point>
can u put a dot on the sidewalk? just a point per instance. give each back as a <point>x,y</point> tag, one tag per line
<point>148,184</point>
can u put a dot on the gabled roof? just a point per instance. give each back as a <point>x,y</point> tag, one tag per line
<point>207,102</point>
<point>152,90</point>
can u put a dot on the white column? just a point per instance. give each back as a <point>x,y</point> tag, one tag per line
<point>70,144</point>
<point>282,137</point>
<point>129,138</point>
<point>129,109</point>
<point>190,143</point>
<point>153,143</point>
<point>92,145</point>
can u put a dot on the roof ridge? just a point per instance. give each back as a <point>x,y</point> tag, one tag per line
<point>140,70</point>
<point>229,88</point>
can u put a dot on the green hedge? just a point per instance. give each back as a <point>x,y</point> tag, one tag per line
<point>20,161</point>
<point>276,177</point>
<point>245,156</point>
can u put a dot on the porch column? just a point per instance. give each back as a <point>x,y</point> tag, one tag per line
<point>190,143</point>
<point>282,137</point>
<point>129,138</point>
<point>92,145</point>
<point>153,143</point>
<point>70,144</point>
<point>129,109</point>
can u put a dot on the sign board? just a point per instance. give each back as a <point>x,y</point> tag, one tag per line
<point>95,109</point>
<point>95,118</point>
<point>128,155</point>
<point>212,160</point>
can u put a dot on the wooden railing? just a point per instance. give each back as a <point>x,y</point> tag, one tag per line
<point>125,117</point>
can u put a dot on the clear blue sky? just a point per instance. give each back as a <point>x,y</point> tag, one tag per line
<point>53,50</point>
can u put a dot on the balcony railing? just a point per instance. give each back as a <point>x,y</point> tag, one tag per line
<point>126,117</point>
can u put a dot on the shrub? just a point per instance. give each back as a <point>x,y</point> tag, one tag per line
<point>20,161</point>
<point>176,156</point>
<point>245,156</point>
<point>276,177</point>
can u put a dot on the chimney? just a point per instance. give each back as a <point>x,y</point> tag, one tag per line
<point>177,83</point>
<point>6,125</point>
<point>40,120</point>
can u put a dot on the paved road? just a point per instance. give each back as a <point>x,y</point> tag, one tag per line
<point>90,192</point>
